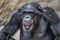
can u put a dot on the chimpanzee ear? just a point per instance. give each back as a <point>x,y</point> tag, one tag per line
<point>19,9</point>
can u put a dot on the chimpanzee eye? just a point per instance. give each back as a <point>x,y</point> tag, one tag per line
<point>28,12</point>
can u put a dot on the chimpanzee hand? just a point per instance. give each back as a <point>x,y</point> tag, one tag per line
<point>50,15</point>
<point>2,36</point>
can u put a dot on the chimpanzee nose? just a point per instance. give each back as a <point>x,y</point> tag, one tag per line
<point>27,17</point>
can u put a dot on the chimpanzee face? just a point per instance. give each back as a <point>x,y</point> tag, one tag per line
<point>28,21</point>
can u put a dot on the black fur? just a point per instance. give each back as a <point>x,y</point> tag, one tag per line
<point>42,31</point>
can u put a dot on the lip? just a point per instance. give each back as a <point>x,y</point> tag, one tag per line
<point>27,25</point>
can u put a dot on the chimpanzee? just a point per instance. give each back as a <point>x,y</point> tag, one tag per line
<point>33,21</point>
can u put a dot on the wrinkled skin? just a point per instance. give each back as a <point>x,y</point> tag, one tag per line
<point>41,30</point>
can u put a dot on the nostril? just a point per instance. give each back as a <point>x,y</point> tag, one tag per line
<point>27,17</point>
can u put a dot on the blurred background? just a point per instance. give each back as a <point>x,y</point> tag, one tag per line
<point>8,7</point>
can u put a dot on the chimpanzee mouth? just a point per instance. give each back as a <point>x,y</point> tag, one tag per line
<point>27,25</point>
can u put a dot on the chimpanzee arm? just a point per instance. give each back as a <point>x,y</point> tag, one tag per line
<point>56,30</point>
<point>11,26</point>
